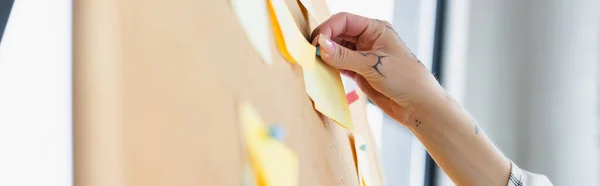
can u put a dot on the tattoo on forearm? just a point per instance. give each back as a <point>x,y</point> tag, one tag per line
<point>418,60</point>
<point>376,65</point>
<point>476,126</point>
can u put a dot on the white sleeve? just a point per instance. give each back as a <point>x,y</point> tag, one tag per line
<point>519,177</point>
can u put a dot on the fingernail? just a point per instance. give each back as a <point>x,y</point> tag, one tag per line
<point>326,44</point>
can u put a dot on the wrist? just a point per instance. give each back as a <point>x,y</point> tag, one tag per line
<point>436,109</point>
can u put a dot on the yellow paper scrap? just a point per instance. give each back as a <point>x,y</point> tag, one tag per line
<point>249,178</point>
<point>253,16</point>
<point>289,38</point>
<point>273,163</point>
<point>310,9</point>
<point>319,16</point>
<point>362,160</point>
<point>324,86</point>
<point>323,83</point>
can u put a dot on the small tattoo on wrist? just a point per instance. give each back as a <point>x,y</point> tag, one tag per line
<point>417,122</point>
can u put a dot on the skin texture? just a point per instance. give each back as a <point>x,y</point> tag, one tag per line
<point>372,53</point>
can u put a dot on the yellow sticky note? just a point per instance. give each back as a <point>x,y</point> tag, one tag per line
<point>319,16</point>
<point>324,86</point>
<point>362,160</point>
<point>323,83</point>
<point>310,9</point>
<point>273,163</point>
<point>249,178</point>
<point>254,18</point>
<point>288,37</point>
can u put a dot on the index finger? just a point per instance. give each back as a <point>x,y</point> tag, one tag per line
<point>342,24</point>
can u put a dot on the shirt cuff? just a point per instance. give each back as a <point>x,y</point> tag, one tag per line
<point>519,177</point>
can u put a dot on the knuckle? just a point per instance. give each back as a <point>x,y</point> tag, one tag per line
<point>384,22</point>
<point>315,33</point>
<point>369,38</point>
<point>341,14</point>
<point>370,74</point>
<point>387,23</point>
<point>365,71</point>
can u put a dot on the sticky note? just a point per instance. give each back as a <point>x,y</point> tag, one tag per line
<point>319,16</point>
<point>273,163</point>
<point>324,86</point>
<point>352,97</point>
<point>362,160</point>
<point>249,178</point>
<point>310,9</point>
<point>350,88</point>
<point>288,37</point>
<point>254,19</point>
<point>323,83</point>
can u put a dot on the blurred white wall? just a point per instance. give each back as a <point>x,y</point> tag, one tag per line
<point>528,72</point>
<point>35,95</point>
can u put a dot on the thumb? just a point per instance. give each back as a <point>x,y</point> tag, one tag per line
<point>339,56</point>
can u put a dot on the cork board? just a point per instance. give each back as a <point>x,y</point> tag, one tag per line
<point>156,87</point>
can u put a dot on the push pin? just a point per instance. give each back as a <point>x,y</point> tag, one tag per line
<point>363,147</point>
<point>277,132</point>
<point>318,51</point>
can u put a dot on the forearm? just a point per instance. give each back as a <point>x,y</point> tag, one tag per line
<point>458,145</point>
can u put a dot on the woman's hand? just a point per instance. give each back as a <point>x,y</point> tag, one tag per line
<point>372,53</point>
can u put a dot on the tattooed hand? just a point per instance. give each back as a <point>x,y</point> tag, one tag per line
<point>371,52</point>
